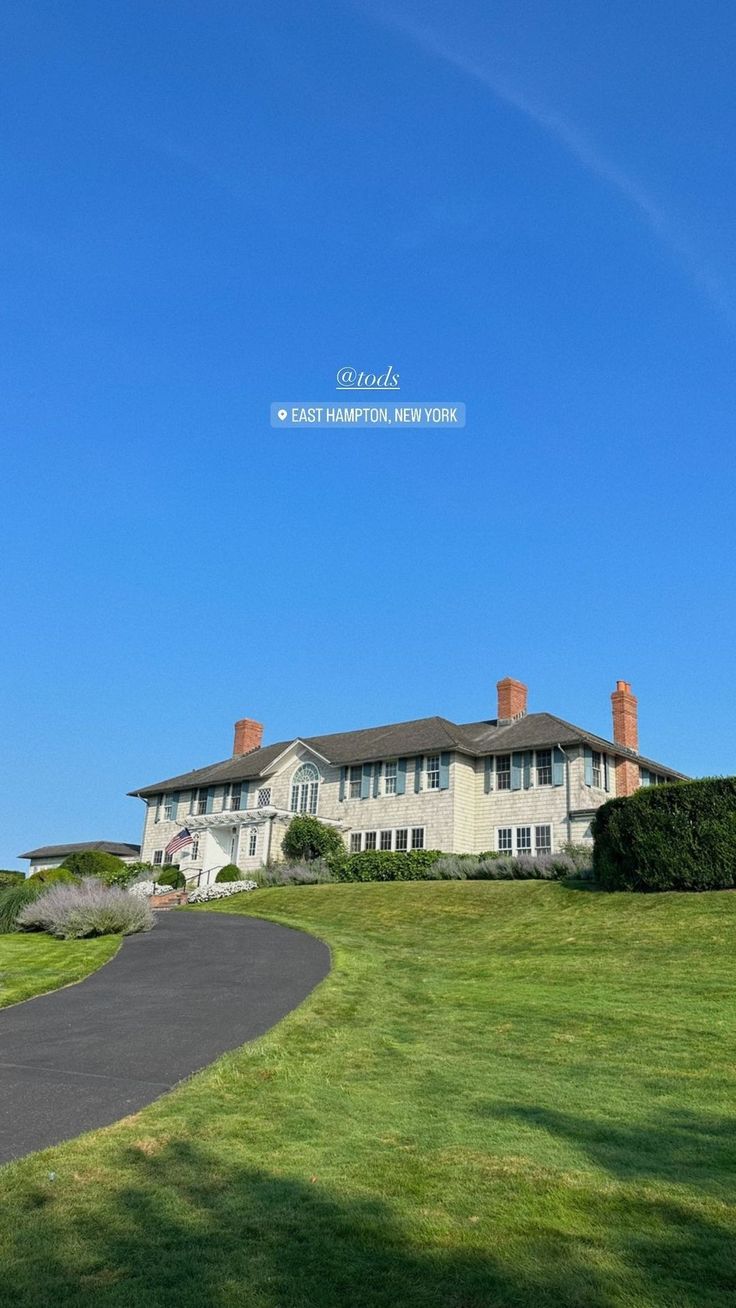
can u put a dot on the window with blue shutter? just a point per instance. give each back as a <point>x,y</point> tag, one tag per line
<point>588,758</point>
<point>365,781</point>
<point>418,774</point>
<point>517,770</point>
<point>488,775</point>
<point>444,771</point>
<point>527,769</point>
<point>558,767</point>
<point>377,769</point>
<point>210,799</point>
<point>401,776</point>
<point>343,773</point>
<point>244,795</point>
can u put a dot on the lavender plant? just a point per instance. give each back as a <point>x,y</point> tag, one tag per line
<point>87,908</point>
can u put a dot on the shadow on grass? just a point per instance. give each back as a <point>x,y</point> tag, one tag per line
<point>680,1148</point>
<point>185,1228</point>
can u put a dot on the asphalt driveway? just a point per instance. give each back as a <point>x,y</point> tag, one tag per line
<point>171,1001</point>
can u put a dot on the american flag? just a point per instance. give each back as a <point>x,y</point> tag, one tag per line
<point>178,841</point>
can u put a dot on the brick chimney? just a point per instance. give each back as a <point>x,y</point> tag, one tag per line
<point>511,699</point>
<point>248,736</point>
<point>626,733</point>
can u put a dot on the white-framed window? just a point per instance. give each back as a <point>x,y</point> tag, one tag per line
<point>264,797</point>
<point>417,837</point>
<point>194,850</point>
<point>647,778</point>
<point>305,789</point>
<point>158,857</point>
<point>231,797</point>
<point>199,801</point>
<point>596,761</point>
<point>503,772</point>
<point>402,839</point>
<point>544,767</point>
<point>356,838</point>
<point>386,839</point>
<point>543,840</point>
<point>169,808</point>
<point>370,840</point>
<point>505,840</point>
<point>168,858</point>
<point>252,842</point>
<point>390,778</point>
<point>354,778</point>
<point>523,840</point>
<point>433,772</point>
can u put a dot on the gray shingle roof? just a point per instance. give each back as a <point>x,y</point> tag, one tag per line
<point>122,850</point>
<point>404,739</point>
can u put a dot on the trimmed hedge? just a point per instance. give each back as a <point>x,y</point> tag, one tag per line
<point>229,873</point>
<point>48,875</point>
<point>382,865</point>
<point>95,863</point>
<point>680,836</point>
<point>171,876</point>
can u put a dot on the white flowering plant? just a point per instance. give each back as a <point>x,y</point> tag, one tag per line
<point>220,890</point>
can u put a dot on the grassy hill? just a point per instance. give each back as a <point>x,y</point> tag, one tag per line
<point>504,1094</point>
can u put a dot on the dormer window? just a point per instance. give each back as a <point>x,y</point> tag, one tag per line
<point>305,789</point>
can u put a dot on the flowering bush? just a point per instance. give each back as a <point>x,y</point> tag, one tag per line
<point>146,888</point>
<point>220,890</point>
<point>87,908</point>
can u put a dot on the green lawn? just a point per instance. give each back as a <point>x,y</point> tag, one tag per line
<point>504,1094</point>
<point>32,964</point>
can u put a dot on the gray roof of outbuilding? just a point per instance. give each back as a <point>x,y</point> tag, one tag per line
<point>122,850</point>
<point>398,739</point>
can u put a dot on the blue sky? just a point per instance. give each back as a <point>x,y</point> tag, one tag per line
<point>527,207</point>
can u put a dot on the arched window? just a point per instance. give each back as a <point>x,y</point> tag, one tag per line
<point>305,789</point>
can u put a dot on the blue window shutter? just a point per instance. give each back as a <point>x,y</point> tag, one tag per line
<point>527,768</point>
<point>175,804</point>
<point>444,771</point>
<point>588,757</point>
<point>488,775</point>
<point>243,795</point>
<point>517,762</point>
<point>365,781</point>
<point>343,773</point>
<point>377,768</point>
<point>606,772</point>
<point>401,776</point>
<point>558,767</point>
<point>210,799</point>
<point>418,773</point>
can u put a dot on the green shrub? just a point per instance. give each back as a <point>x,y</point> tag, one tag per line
<point>680,836</point>
<point>230,872</point>
<point>15,898</point>
<point>383,865</point>
<point>47,875</point>
<point>95,863</point>
<point>171,876</point>
<point>308,838</point>
<point>8,878</point>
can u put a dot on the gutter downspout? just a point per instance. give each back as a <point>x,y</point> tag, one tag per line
<point>568,818</point>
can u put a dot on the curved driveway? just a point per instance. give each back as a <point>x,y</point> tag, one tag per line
<point>168,1003</point>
